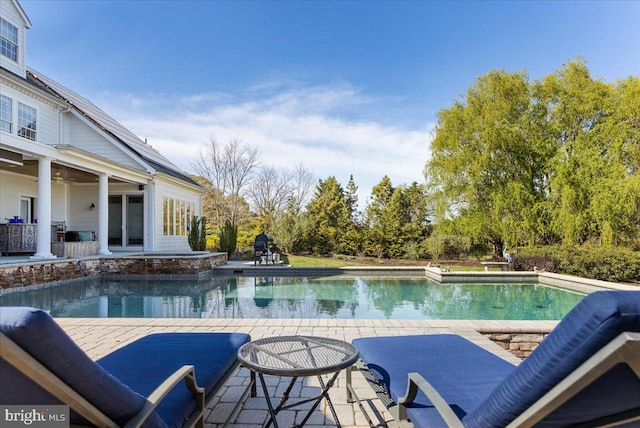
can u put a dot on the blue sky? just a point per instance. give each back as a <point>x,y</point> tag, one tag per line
<point>340,87</point>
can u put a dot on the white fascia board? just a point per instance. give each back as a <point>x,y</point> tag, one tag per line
<point>73,157</point>
<point>87,161</point>
<point>27,147</point>
<point>136,158</point>
<point>23,15</point>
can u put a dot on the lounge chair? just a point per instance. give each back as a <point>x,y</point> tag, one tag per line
<point>587,371</point>
<point>140,384</point>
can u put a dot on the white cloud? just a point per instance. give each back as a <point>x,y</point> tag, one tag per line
<point>322,127</point>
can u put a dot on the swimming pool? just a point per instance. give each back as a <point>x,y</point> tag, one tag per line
<point>340,297</point>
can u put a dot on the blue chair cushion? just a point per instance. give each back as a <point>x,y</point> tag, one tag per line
<point>36,332</point>
<point>462,372</point>
<point>598,319</point>
<point>145,363</point>
<point>484,392</point>
<point>120,381</point>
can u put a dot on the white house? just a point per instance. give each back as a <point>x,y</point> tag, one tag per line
<point>65,162</point>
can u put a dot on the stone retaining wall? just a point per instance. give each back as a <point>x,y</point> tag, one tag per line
<point>519,344</point>
<point>37,273</point>
<point>45,272</point>
<point>161,265</point>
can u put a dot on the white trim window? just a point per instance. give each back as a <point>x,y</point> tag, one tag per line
<point>176,217</point>
<point>8,40</point>
<point>27,121</point>
<point>6,114</point>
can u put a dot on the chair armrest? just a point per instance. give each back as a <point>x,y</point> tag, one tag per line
<point>187,373</point>
<point>416,381</point>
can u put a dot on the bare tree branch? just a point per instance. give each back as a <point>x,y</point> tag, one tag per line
<point>228,170</point>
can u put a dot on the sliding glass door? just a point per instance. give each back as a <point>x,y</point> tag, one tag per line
<point>126,221</point>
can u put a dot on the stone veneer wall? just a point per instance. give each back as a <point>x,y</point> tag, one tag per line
<point>161,265</point>
<point>36,273</point>
<point>41,273</point>
<point>519,344</point>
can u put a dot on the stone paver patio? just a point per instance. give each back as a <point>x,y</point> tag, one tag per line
<point>100,336</point>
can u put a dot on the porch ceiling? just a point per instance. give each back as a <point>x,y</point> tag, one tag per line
<point>61,173</point>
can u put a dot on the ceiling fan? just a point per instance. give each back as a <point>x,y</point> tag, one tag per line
<point>58,178</point>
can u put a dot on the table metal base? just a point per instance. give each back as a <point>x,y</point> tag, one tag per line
<point>294,357</point>
<point>285,397</point>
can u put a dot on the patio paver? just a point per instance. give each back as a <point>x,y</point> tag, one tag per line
<point>99,337</point>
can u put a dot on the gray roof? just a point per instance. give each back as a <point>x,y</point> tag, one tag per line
<point>108,124</point>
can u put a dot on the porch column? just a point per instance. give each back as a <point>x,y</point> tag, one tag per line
<point>103,214</point>
<point>43,243</point>
<point>150,216</point>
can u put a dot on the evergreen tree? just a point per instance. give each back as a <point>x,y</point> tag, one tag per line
<point>228,238</point>
<point>351,195</point>
<point>290,226</point>
<point>378,221</point>
<point>197,234</point>
<point>329,218</point>
<point>417,227</point>
<point>354,241</point>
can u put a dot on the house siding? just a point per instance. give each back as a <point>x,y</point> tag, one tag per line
<point>168,190</point>
<point>82,218</point>
<point>85,138</point>
<point>15,186</point>
<point>12,186</point>
<point>47,117</point>
<point>48,126</point>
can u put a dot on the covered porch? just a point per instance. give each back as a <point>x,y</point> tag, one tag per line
<point>45,202</point>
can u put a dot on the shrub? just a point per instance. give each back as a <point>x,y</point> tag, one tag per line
<point>198,234</point>
<point>544,263</point>
<point>228,238</point>
<point>589,261</point>
<point>414,250</point>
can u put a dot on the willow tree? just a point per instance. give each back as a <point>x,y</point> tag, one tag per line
<point>488,168</point>
<point>618,211</point>
<point>595,179</point>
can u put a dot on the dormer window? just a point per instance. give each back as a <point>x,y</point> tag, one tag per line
<point>8,40</point>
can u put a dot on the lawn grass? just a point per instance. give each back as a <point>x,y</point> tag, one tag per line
<point>301,261</point>
<point>317,261</point>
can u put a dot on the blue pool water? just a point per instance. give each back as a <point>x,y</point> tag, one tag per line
<point>342,297</point>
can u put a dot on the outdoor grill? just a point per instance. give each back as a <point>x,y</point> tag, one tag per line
<point>263,249</point>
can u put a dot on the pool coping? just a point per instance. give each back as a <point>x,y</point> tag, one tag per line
<point>565,282</point>
<point>434,273</point>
